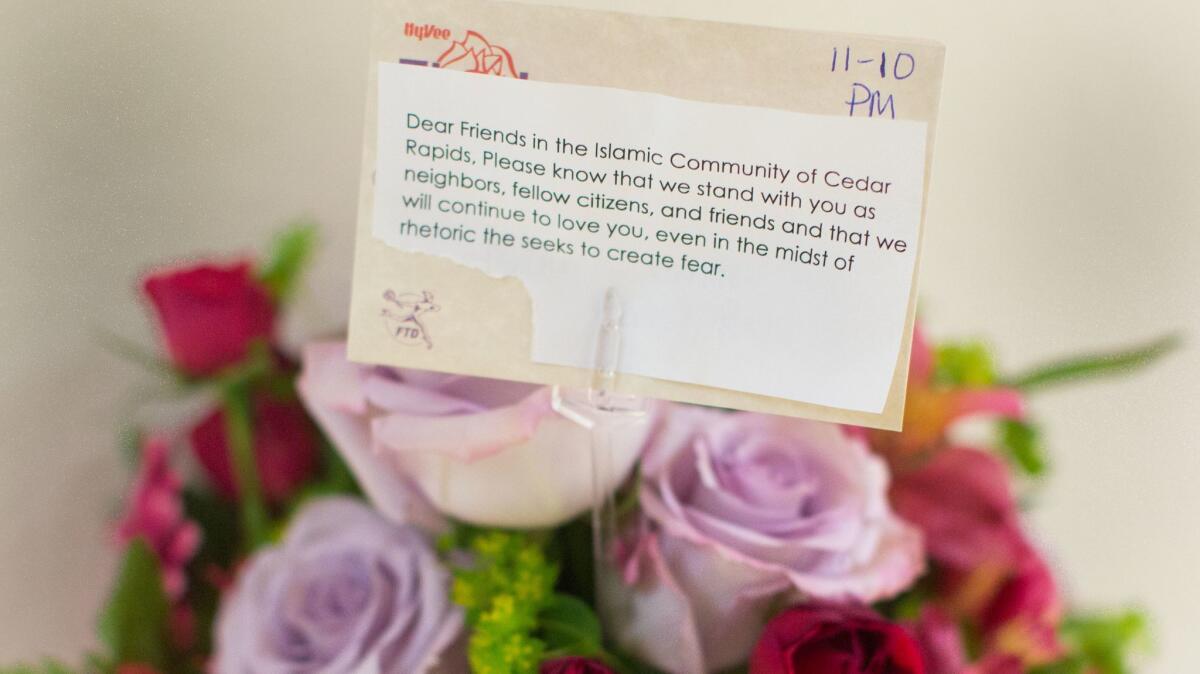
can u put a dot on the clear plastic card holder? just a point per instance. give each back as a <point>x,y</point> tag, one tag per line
<point>607,415</point>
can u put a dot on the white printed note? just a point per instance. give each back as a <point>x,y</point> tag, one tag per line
<point>758,250</point>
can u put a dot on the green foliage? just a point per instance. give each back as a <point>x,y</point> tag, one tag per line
<point>964,364</point>
<point>508,584</point>
<point>570,627</point>
<point>516,618</point>
<point>134,623</point>
<point>571,547</point>
<point>1021,443</point>
<point>505,563</point>
<point>239,433</point>
<point>287,258</point>
<point>1096,365</point>
<point>969,364</point>
<point>906,607</point>
<point>218,518</point>
<point>1100,644</point>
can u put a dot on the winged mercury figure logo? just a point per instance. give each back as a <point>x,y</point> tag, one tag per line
<point>402,316</point>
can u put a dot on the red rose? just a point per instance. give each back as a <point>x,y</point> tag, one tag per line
<point>816,639</point>
<point>285,447</point>
<point>209,315</point>
<point>574,666</point>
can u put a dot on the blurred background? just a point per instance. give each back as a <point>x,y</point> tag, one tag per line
<point>1064,215</point>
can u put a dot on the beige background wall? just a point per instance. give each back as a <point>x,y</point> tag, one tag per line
<point>1064,214</point>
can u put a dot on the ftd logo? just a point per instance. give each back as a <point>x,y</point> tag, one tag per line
<point>402,316</point>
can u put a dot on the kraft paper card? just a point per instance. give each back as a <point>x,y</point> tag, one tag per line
<point>753,195</point>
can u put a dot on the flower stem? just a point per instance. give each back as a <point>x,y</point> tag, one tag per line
<point>239,432</point>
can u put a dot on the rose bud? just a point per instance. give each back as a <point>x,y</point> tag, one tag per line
<point>209,315</point>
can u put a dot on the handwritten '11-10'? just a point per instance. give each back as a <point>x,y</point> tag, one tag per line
<point>904,64</point>
<point>876,102</point>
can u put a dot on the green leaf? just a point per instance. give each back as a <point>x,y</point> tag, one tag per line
<point>1099,644</point>
<point>134,623</point>
<point>570,627</point>
<point>286,260</point>
<point>964,364</point>
<point>1096,365</point>
<point>1105,640</point>
<point>1072,664</point>
<point>133,352</point>
<point>217,517</point>
<point>1021,442</point>
<point>907,606</point>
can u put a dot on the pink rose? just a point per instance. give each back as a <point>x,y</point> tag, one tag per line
<point>485,451</point>
<point>743,510</point>
<point>962,500</point>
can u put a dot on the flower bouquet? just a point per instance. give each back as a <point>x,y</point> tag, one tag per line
<point>320,515</point>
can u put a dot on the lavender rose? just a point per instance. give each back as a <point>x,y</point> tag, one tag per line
<point>486,451</point>
<point>743,510</point>
<point>346,591</point>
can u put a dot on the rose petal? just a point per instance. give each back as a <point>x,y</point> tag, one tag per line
<point>328,388</point>
<point>484,451</point>
<point>467,437</point>
<point>654,618</point>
